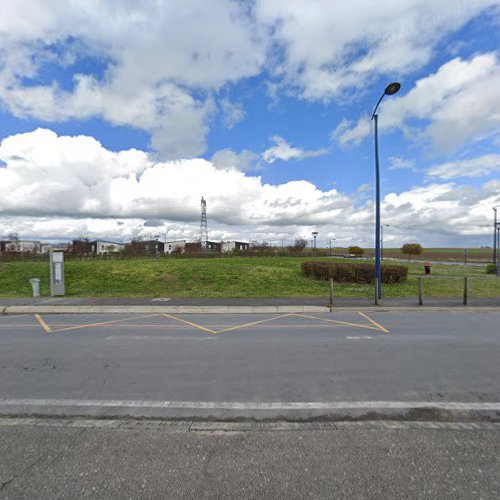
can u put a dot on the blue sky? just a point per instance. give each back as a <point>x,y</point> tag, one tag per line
<point>260,106</point>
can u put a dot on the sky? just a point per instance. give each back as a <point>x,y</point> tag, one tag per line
<point>117,116</point>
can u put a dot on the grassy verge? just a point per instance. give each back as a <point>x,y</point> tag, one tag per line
<point>225,277</point>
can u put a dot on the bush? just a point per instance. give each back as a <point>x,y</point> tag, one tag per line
<point>491,269</point>
<point>349,272</point>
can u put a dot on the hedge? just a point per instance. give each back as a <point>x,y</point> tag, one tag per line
<point>350,272</point>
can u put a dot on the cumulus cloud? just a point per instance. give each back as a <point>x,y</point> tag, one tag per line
<point>161,62</point>
<point>65,187</point>
<point>457,104</point>
<point>159,66</point>
<point>336,47</point>
<point>398,163</point>
<point>227,159</point>
<point>471,167</point>
<point>283,151</point>
<point>232,113</point>
<point>346,134</point>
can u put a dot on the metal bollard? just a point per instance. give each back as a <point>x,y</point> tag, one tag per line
<point>420,290</point>
<point>465,291</point>
<point>331,294</point>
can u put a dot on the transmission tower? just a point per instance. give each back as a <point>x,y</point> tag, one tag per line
<point>203,225</point>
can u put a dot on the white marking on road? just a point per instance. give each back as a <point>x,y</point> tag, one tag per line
<point>360,337</point>
<point>253,405</point>
<point>157,337</point>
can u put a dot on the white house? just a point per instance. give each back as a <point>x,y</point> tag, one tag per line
<point>229,246</point>
<point>105,247</point>
<point>23,246</point>
<point>175,246</point>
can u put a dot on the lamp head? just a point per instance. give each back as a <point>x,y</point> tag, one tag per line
<point>392,88</point>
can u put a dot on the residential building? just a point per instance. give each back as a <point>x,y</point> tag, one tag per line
<point>230,246</point>
<point>176,246</point>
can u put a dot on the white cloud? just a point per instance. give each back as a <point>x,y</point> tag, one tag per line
<point>335,47</point>
<point>232,113</point>
<point>283,151</point>
<point>227,159</point>
<point>471,167</point>
<point>162,60</point>
<point>65,187</point>
<point>159,64</point>
<point>397,163</point>
<point>457,104</point>
<point>345,134</point>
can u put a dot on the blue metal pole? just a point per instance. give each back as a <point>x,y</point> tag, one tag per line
<point>377,212</point>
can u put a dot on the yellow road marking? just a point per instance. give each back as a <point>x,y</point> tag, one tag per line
<point>20,315</point>
<point>102,323</point>
<point>344,323</point>
<point>373,322</point>
<point>200,327</point>
<point>43,324</point>
<point>253,323</point>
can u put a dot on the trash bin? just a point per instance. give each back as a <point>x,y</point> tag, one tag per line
<point>427,268</point>
<point>35,284</point>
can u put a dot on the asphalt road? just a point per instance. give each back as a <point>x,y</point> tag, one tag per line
<point>52,460</point>
<point>264,366</point>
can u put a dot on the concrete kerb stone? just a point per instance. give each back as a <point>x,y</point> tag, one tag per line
<point>62,309</point>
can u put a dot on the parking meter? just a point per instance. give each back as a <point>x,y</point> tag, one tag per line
<point>57,273</point>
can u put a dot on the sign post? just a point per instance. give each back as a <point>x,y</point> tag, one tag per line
<point>57,273</point>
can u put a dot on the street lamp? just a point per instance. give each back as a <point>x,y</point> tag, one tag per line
<point>315,233</point>
<point>382,240</point>
<point>391,89</point>
<point>495,238</point>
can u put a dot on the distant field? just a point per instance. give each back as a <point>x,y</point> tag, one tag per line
<point>225,277</point>
<point>445,254</point>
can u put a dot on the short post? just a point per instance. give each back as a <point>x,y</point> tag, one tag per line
<point>420,290</point>
<point>465,290</point>
<point>376,291</point>
<point>331,294</point>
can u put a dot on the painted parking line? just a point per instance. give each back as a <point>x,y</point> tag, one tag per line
<point>102,323</point>
<point>44,325</point>
<point>195,325</point>
<point>333,322</point>
<point>253,323</point>
<point>373,322</point>
<point>343,323</point>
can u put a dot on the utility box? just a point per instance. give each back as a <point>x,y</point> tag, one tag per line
<point>57,273</point>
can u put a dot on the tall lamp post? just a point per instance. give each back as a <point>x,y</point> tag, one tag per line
<point>315,233</point>
<point>330,241</point>
<point>382,240</point>
<point>495,238</point>
<point>391,89</point>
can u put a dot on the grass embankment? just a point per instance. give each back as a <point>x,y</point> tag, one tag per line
<point>224,277</point>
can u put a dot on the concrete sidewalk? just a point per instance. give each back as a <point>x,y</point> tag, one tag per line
<point>231,305</point>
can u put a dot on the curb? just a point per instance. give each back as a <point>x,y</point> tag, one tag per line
<point>30,309</point>
<point>214,426</point>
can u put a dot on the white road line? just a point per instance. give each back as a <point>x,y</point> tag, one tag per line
<point>157,337</point>
<point>251,405</point>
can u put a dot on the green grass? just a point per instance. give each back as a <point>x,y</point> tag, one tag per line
<point>225,277</point>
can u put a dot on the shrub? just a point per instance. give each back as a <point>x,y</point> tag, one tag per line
<point>355,250</point>
<point>349,272</point>
<point>491,269</point>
